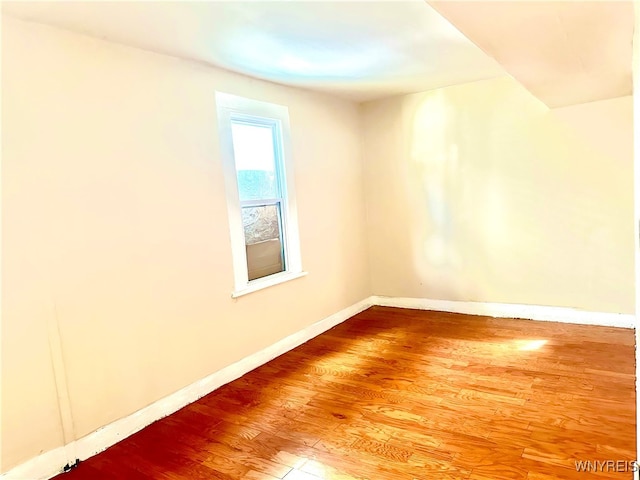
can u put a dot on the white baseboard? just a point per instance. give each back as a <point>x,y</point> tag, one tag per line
<point>512,310</point>
<point>52,463</point>
<point>41,467</point>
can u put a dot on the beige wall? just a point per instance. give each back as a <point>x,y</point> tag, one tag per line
<point>115,227</point>
<point>478,192</point>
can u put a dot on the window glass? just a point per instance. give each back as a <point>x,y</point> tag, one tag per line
<point>255,161</point>
<point>263,240</point>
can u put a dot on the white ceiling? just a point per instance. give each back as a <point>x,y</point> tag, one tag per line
<point>564,52</point>
<point>361,50</point>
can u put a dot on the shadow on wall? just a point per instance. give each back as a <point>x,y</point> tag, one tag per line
<point>504,201</point>
<point>437,190</point>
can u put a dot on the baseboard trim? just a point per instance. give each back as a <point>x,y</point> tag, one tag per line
<point>52,462</point>
<point>511,310</point>
<point>43,466</point>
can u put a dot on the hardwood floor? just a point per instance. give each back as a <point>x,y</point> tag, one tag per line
<point>405,394</point>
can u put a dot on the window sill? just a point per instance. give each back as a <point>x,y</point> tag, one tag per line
<point>266,282</point>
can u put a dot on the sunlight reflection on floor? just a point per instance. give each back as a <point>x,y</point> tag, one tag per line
<point>527,345</point>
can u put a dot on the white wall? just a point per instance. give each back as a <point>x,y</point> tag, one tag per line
<point>115,229</point>
<point>115,236</point>
<point>478,192</point>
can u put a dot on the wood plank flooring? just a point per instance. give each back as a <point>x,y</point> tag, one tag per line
<point>404,394</point>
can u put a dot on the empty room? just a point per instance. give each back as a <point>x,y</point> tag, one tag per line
<point>314,240</point>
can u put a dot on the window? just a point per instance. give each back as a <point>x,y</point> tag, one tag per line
<point>254,138</point>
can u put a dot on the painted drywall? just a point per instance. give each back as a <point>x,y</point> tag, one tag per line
<point>115,229</point>
<point>358,50</point>
<point>564,52</point>
<point>479,192</point>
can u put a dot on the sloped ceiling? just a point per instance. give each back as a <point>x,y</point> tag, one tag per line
<point>360,50</point>
<point>564,52</point>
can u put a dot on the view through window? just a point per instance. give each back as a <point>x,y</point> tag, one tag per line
<point>255,146</point>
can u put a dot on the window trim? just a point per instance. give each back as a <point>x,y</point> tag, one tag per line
<point>229,108</point>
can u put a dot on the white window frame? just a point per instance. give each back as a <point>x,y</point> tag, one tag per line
<point>232,107</point>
